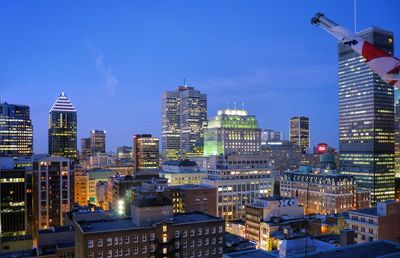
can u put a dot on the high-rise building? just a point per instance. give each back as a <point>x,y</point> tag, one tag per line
<point>271,135</point>
<point>16,132</point>
<point>366,120</point>
<point>145,152</point>
<point>184,116</point>
<point>232,132</point>
<point>13,204</point>
<point>63,128</point>
<point>397,142</point>
<point>300,131</point>
<point>52,177</point>
<point>85,149</point>
<point>98,141</point>
<point>81,187</point>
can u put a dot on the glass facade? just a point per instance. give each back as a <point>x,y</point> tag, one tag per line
<point>145,152</point>
<point>184,117</point>
<point>300,131</point>
<point>12,202</point>
<point>16,131</point>
<point>98,141</point>
<point>63,129</point>
<point>232,131</point>
<point>366,120</point>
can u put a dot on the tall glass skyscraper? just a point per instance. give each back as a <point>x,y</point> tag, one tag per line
<point>366,120</point>
<point>98,141</point>
<point>300,131</point>
<point>63,129</point>
<point>232,132</point>
<point>16,132</point>
<point>184,117</point>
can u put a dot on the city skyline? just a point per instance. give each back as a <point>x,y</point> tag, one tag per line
<point>93,63</point>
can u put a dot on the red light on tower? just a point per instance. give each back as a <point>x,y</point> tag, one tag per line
<point>322,148</point>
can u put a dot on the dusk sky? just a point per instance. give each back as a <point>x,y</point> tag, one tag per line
<point>115,58</point>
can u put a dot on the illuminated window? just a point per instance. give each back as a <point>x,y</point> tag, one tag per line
<point>164,228</point>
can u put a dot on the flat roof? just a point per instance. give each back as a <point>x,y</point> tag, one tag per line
<point>106,225</point>
<point>190,186</point>
<point>256,253</point>
<point>365,250</point>
<point>367,211</point>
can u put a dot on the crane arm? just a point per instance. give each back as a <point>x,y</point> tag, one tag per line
<point>381,62</point>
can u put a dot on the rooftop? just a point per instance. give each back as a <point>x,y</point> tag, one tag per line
<point>108,225</point>
<point>256,253</point>
<point>366,250</point>
<point>366,211</point>
<point>190,187</point>
<point>180,163</point>
<point>62,104</point>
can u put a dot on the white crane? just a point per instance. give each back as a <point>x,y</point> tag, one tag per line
<point>381,62</point>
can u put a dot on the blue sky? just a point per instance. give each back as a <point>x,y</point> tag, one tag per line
<point>115,58</point>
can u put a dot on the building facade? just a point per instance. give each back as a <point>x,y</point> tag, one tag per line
<point>271,135</point>
<point>232,132</point>
<point>378,223</point>
<point>52,180</point>
<point>239,179</point>
<point>300,131</point>
<point>81,187</point>
<point>180,172</point>
<point>16,131</point>
<point>98,141</point>
<point>13,204</point>
<point>145,152</point>
<point>324,192</point>
<point>184,117</point>
<point>86,152</point>
<point>366,120</point>
<point>63,129</point>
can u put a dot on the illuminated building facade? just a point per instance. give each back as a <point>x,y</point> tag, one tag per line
<point>16,132</point>
<point>125,154</point>
<point>366,120</point>
<point>232,132</point>
<point>85,149</point>
<point>81,187</point>
<point>180,172</point>
<point>285,155</point>
<point>13,205</point>
<point>63,129</point>
<point>239,180</point>
<point>97,141</point>
<point>300,131</point>
<point>184,117</point>
<point>397,142</point>
<point>323,192</point>
<point>52,178</point>
<point>271,135</point>
<point>145,152</point>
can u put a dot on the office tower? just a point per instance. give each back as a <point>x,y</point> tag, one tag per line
<point>16,132</point>
<point>286,155</point>
<point>52,177</point>
<point>184,116</point>
<point>397,142</point>
<point>366,120</point>
<point>98,141</point>
<point>124,152</point>
<point>232,132</point>
<point>63,128</point>
<point>300,131</point>
<point>239,180</point>
<point>145,152</point>
<point>85,149</point>
<point>12,202</point>
<point>271,135</point>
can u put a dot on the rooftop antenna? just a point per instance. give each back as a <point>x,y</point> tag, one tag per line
<point>355,16</point>
<point>184,81</point>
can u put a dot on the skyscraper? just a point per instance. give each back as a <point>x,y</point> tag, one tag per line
<point>300,131</point>
<point>232,132</point>
<point>98,141</point>
<point>16,132</point>
<point>145,152</point>
<point>85,149</point>
<point>52,177</point>
<point>63,128</point>
<point>366,120</point>
<point>184,116</point>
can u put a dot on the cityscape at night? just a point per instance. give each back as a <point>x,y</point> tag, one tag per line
<point>185,129</point>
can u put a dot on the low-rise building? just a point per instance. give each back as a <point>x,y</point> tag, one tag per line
<point>378,223</point>
<point>323,191</point>
<point>179,172</point>
<point>152,231</point>
<point>264,210</point>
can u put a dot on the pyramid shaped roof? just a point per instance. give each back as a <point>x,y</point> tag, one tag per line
<point>62,104</point>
